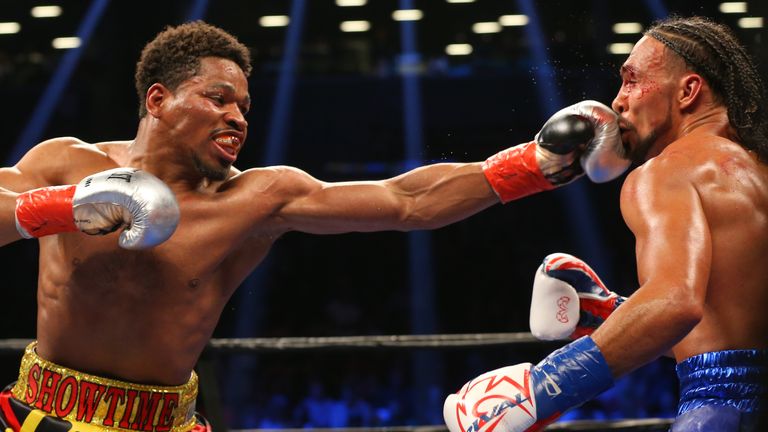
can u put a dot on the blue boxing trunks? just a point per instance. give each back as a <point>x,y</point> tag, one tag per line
<point>722,391</point>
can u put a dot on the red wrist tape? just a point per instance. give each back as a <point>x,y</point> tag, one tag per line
<point>46,211</point>
<point>514,173</point>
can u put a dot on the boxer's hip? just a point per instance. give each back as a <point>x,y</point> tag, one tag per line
<point>734,378</point>
<point>723,391</point>
<point>47,393</point>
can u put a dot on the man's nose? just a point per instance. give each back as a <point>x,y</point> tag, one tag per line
<point>619,104</point>
<point>236,120</point>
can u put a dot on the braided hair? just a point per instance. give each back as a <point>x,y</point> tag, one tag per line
<point>712,50</point>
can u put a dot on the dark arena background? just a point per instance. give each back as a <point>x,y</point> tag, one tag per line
<point>350,90</point>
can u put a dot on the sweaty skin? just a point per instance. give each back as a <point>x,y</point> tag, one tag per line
<point>145,316</point>
<point>698,208</point>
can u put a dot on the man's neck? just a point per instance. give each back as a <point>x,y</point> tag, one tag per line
<point>152,152</point>
<point>711,120</point>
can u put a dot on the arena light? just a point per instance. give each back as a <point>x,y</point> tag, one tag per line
<point>274,21</point>
<point>620,48</point>
<point>45,11</point>
<point>407,15</point>
<point>66,42</point>
<point>458,49</point>
<point>513,20</point>
<point>460,1</point>
<point>733,7</point>
<point>486,27</point>
<point>355,26</point>
<point>751,22</point>
<point>350,3</point>
<point>9,27</point>
<point>627,28</point>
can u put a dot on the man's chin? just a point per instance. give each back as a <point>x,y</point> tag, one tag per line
<point>213,173</point>
<point>638,154</point>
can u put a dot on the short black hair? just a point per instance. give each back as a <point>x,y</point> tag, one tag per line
<point>173,56</point>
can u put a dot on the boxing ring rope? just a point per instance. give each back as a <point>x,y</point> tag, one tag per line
<point>230,345</point>
<point>644,425</point>
<point>389,342</point>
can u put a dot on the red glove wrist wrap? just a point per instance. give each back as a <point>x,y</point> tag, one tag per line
<point>514,173</point>
<point>46,210</point>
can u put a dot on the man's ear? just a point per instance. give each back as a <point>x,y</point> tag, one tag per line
<point>690,89</point>
<point>157,95</point>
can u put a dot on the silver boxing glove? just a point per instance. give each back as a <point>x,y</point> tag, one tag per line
<point>105,201</point>
<point>591,126</point>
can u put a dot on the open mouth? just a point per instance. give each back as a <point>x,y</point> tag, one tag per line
<point>228,146</point>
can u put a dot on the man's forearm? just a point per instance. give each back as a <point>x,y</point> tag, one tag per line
<point>441,194</point>
<point>644,328</point>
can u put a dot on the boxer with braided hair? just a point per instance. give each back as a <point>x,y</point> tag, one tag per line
<point>692,114</point>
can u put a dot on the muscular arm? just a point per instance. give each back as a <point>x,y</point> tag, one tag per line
<point>663,209</point>
<point>427,197</point>
<point>38,168</point>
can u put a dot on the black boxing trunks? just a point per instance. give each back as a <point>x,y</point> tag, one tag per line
<point>52,398</point>
<point>722,391</point>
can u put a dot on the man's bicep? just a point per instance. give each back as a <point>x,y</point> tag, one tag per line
<point>38,167</point>
<point>21,178</point>
<point>317,207</point>
<point>12,179</point>
<point>334,208</point>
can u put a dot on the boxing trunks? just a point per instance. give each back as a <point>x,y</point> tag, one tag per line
<point>52,398</point>
<point>722,391</point>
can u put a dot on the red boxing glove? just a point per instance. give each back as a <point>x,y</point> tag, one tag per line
<point>45,211</point>
<point>514,173</point>
<point>548,161</point>
<point>582,137</point>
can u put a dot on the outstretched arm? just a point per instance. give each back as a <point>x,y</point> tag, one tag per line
<point>427,197</point>
<point>582,135</point>
<point>663,209</point>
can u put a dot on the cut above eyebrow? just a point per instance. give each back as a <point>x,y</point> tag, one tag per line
<point>627,69</point>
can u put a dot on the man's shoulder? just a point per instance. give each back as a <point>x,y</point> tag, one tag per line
<point>691,152</point>
<point>697,160</point>
<point>277,185</point>
<point>278,178</point>
<point>61,144</point>
<point>59,151</point>
<point>77,147</point>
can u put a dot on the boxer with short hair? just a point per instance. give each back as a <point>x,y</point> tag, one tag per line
<point>93,365</point>
<point>692,110</point>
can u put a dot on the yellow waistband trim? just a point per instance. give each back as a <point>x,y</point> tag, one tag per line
<point>108,404</point>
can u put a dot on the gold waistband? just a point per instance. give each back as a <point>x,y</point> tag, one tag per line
<point>108,404</point>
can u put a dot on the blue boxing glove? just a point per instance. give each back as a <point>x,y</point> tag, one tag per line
<point>527,398</point>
